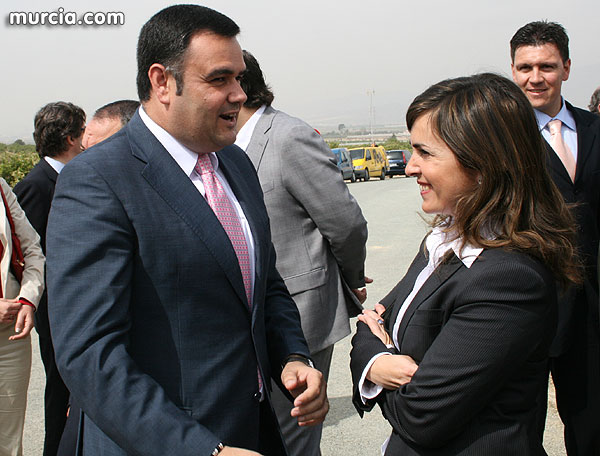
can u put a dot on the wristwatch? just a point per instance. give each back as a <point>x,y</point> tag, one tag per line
<point>301,358</point>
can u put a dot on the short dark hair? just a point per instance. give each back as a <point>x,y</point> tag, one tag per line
<point>122,110</point>
<point>595,101</point>
<point>253,83</point>
<point>539,33</point>
<point>166,36</point>
<point>490,127</point>
<point>53,124</point>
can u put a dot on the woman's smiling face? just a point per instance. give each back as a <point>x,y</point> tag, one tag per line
<point>441,178</point>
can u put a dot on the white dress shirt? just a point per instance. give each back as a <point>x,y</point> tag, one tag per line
<point>56,165</point>
<point>245,134</point>
<point>568,130</point>
<point>186,159</point>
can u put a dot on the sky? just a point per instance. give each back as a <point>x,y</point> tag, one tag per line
<point>320,57</point>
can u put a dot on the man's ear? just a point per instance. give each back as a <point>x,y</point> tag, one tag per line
<point>162,82</point>
<point>567,69</point>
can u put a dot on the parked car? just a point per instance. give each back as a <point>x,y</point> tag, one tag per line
<point>369,161</point>
<point>398,160</point>
<point>344,163</point>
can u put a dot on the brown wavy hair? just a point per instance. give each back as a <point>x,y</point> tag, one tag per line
<point>490,126</point>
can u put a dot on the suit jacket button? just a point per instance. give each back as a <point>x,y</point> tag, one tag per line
<point>257,396</point>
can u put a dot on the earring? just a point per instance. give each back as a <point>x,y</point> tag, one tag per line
<point>479,180</point>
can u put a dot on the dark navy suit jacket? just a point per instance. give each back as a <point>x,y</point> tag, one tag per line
<point>153,333</point>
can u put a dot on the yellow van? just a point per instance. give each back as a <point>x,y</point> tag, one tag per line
<point>369,162</point>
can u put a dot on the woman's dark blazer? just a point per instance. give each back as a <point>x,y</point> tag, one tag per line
<point>481,338</point>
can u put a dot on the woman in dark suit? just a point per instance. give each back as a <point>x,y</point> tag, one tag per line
<point>456,354</point>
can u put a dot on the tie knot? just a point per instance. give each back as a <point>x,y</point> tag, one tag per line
<point>555,126</point>
<point>203,164</point>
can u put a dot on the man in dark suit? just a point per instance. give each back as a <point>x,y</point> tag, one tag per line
<point>287,154</point>
<point>170,316</point>
<point>540,64</point>
<point>58,138</point>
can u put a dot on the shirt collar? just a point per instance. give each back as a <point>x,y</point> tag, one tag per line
<point>185,158</point>
<point>56,165</point>
<point>245,134</point>
<point>564,115</point>
<point>439,242</point>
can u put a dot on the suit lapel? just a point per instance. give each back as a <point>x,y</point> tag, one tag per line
<point>440,275</point>
<point>165,176</point>
<point>556,166</point>
<point>406,285</point>
<point>260,138</point>
<point>586,137</point>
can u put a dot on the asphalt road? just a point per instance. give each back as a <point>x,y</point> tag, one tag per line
<point>392,208</point>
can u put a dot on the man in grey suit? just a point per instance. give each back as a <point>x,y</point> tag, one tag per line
<point>318,230</point>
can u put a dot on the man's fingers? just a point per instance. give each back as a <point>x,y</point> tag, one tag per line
<point>290,377</point>
<point>312,413</point>
<point>314,395</point>
<point>312,390</point>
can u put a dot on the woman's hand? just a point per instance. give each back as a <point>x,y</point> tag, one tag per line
<point>373,319</point>
<point>24,323</point>
<point>9,309</point>
<point>392,371</point>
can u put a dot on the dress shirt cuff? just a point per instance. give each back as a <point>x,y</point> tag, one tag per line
<point>368,389</point>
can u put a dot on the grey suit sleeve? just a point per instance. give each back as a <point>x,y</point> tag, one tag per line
<point>311,176</point>
<point>490,335</point>
<point>91,245</point>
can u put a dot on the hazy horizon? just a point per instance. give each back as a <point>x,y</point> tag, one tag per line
<point>320,57</point>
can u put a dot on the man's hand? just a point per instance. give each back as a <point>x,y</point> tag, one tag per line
<point>233,451</point>
<point>361,293</point>
<point>24,323</point>
<point>309,389</point>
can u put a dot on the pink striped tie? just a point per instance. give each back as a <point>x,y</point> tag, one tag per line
<point>221,205</point>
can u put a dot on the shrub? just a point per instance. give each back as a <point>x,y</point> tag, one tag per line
<point>16,160</point>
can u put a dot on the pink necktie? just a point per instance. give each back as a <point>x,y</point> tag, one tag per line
<point>221,205</point>
<point>561,149</point>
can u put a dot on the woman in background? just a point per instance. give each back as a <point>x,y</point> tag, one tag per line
<point>457,353</point>
<point>18,302</point>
